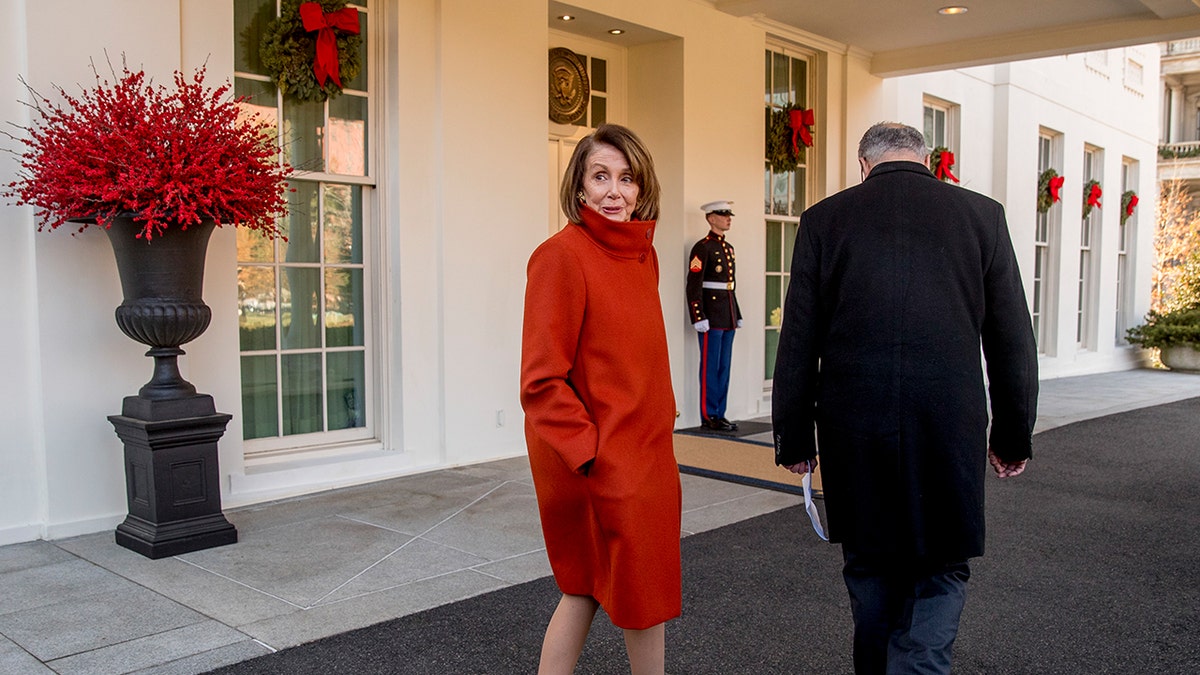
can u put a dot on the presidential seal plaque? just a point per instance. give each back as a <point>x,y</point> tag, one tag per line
<point>570,90</point>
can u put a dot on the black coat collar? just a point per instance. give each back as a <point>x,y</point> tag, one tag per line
<point>899,165</point>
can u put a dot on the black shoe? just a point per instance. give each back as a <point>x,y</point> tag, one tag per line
<point>717,424</point>
<point>731,426</point>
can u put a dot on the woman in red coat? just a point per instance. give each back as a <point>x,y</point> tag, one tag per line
<point>599,408</point>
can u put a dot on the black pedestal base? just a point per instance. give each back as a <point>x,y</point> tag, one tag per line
<point>172,478</point>
<point>165,540</point>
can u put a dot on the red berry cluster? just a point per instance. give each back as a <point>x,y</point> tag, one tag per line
<point>170,157</point>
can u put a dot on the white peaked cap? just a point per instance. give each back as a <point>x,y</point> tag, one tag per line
<point>723,205</point>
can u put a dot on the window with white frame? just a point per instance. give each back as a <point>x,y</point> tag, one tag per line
<point>1088,241</point>
<point>940,124</point>
<point>1045,227</point>
<point>1125,228</point>
<point>785,193</point>
<point>304,303</point>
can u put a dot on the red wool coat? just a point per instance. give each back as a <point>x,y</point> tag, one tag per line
<point>596,387</point>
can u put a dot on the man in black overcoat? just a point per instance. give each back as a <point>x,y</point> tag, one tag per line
<point>896,284</point>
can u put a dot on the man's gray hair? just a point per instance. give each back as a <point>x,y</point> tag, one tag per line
<point>886,137</point>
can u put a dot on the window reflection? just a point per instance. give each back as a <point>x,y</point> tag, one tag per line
<point>256,308</point>
<point>347,135</point>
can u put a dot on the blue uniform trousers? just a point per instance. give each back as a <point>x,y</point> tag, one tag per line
<point>716,352</point>
<point>905,617</point>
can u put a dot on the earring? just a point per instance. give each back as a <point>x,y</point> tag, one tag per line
<point>581,197</point>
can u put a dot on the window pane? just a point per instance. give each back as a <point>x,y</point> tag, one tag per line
<point>348,135</point>
<point>767,79</point>
<point>303,127</point>
<point>770,347</point>
<point>261,99</point>
<point>360,81</point>
<point>343,224</point>
<point>774,303</point>
<point>599,79</point>
<point>300,228</point>
<point>774,254</point>
<point>260,409</point>
<point>599,111</point>
<point>256,308</point>
<point>347,377</point>
<point>779,198</point>
<point>767,188</point>
<point>799,176</point>
<point>301,393</point>
<point>781,94</point>
<point>252,246</point>
<point>799,82</point>
<point>790,230</point>
<point>343,307</point>
<point>299,314</point>
<point>250,19</point>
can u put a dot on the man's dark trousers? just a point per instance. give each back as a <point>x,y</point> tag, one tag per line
<point>905,616</point>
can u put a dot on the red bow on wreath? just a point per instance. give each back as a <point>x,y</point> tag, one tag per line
<point>801,120</point>
<point>1133,200</point>
<point>1056,184</point>
<point>1094,196</point>
<point>325,63</point>
<point>945,163</point>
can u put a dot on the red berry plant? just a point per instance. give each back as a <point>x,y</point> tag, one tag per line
<point>168,157</point>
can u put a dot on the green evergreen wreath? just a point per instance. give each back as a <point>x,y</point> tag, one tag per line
<point>935,157</point>
<point>1044,199</point>
<point>780,156</point>
<point>1087,190</point>
<point>1126,198</point>
<point>287,52</point>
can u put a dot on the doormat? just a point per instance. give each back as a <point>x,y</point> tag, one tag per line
<point>747,463</point>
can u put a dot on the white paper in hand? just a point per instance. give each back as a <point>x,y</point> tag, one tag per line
<point>811,508</point>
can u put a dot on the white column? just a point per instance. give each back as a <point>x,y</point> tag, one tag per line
<point>1174,134</point>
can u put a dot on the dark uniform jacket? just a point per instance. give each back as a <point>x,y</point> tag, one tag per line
<point>712,260</point>
<point>895,285</point>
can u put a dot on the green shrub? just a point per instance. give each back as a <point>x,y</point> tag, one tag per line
<point>1167,329</point>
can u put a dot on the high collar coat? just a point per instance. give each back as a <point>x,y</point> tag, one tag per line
<point>896,286</point>
<point>599,418</point>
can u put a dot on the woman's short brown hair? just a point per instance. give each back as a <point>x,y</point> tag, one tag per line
<point>641,164</point>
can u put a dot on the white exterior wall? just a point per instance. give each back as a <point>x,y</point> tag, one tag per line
<point>70,361</point>
<point>461,199</point>
<point>22,447</point>
<point>1002,109</point>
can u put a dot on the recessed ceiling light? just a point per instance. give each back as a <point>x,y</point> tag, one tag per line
<point>566,17</point>
<point>616,31</point>
<point>953,9</point>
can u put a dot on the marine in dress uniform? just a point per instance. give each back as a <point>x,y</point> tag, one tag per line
<point>714,312</point>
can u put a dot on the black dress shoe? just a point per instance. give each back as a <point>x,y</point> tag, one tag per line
<point>717,424</point>
<point>730,426</point>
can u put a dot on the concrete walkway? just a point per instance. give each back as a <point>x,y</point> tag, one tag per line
<point>315,566</point>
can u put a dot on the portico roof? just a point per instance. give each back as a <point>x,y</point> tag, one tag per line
<point>911,36</point>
